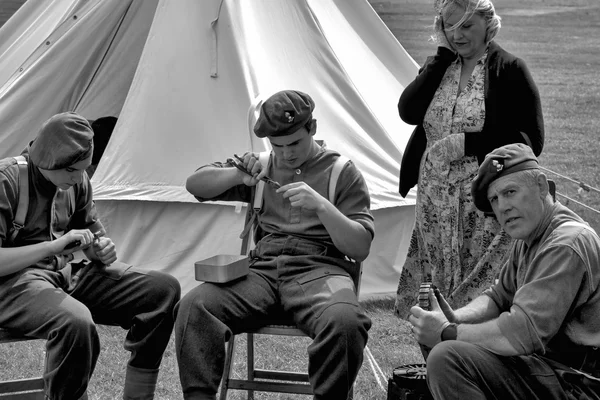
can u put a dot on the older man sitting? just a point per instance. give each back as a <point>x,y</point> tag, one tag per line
<point>534,334</point>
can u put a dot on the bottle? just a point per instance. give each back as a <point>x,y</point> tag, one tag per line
<point>424,304</point>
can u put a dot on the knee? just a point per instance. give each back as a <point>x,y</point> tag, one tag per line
<point>77,326</point>
<point>448,358</point>
<point>439,357</point>
<point>346,319</point>
<point>166,288</point>
<point>193,305</point>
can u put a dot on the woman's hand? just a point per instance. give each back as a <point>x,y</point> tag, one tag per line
<point>440,34</point>
<point>448,149</point>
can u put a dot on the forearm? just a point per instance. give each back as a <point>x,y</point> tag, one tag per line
<point>478,324</point>
<point>14,259</point>
<point>488,336</point>
<point>415,98</point>
<point>210,181</point>
<point>481,309</point>
<point>479,144</point>
<point>349,236</point>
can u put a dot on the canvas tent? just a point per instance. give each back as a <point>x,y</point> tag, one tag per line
<point>181,75</point>
<point>8,8</point>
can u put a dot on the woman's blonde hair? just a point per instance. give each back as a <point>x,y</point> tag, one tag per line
<point>484,8</point>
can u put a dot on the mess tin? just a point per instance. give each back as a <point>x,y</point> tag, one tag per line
<point>221,268</point>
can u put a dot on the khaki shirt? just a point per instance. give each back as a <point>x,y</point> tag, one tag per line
<point>549,292</point>
<point>51,212</point>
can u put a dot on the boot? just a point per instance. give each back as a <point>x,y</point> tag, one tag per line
<point>140,383</point>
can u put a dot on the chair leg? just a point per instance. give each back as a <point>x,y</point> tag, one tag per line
<point>250,341</point>
<point>252,374</point>
<point>228,367</point>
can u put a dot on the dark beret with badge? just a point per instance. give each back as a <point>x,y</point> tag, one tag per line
<point>64,140</point>
<point>500,162</point>
<point>284,113</point>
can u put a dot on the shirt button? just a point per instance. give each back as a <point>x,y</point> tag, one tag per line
<point>298,172</point>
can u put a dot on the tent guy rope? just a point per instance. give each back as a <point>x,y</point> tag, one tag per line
<point>377,372</point>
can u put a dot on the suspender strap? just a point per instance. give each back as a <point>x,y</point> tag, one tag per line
<point>263,157</point>
<point>339,165</point>
<point>21,213</point>
<point>336,171</point>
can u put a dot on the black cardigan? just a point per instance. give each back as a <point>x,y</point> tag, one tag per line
<point>513,112</point>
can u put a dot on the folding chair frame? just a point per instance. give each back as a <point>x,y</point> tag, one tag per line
<point>21,389</point>
<point>262,379</point>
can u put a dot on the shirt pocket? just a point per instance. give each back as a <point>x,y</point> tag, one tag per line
<point>329,284</point>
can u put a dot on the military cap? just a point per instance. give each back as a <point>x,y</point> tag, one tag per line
<point>63,140</point>
<point>500,162</point>
<point>284,113</point>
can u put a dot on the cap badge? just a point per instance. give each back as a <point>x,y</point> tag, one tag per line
<point>498,165</point>
<point>289,117</point>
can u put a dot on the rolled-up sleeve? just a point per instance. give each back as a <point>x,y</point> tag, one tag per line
<point>520,331</point>
<point>548,286</point>
<point>237,193</point>
<point>352,198</point>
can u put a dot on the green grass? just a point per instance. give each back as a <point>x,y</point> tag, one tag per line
<point>556,39</point>
<point>390,343</point>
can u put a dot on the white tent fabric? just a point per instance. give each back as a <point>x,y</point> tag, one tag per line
<point>181,75</point>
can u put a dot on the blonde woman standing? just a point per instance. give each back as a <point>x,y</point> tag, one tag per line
<point>471,97</point>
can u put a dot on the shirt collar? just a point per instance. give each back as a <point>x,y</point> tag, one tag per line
<point>43,185</point>
<point>545,221</point>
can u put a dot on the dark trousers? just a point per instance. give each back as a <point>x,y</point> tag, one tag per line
<point>459,370</point>
<point>318,294</point>
<point>64,306</point>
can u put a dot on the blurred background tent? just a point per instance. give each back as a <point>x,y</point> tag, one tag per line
<point>8,8</point>
<point>180,76</point>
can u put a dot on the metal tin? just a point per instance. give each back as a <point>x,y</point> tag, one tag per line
<point>221,268</point>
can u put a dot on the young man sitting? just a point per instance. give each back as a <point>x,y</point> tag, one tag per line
<point>45,294</point>
<point>299,264</point>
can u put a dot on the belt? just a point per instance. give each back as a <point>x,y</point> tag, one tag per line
<point>582,358</point>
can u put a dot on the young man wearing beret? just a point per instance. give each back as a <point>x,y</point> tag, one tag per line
<point>45,293</point>
<point>299,264</point>
<point>534,334</point>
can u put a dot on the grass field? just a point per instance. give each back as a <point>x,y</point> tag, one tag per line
<point>557,39</point>
<point>390,343</point>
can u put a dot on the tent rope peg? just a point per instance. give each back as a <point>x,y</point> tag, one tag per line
<point>583,186</point>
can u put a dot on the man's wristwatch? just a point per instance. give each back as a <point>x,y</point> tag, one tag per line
<point>450,332</point>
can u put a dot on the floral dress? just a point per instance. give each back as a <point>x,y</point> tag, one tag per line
<point>453,244</point>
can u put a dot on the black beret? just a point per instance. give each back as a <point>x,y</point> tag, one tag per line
<point>500,162</point>
<point>284,113</point>
<point>63,140</point>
